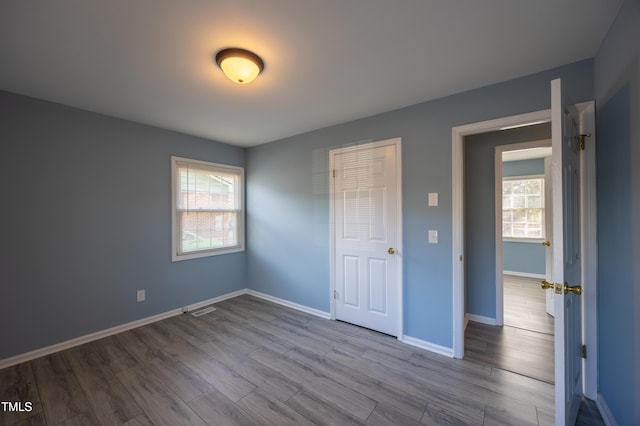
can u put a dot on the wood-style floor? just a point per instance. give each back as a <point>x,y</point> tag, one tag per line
<point>525,344</point>
<point>513,349</point>
<point>524,305</point>
<point>254,362</point>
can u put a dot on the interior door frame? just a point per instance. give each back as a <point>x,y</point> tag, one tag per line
<point>498,217</point>
<point>397,142</point>
<point>589,249</point>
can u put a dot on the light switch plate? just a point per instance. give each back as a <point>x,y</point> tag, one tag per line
<point>433,237</point>
<point>433,199</point>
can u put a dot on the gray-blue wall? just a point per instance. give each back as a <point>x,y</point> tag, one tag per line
<point>617,89</point>
<point>86,221</point>
<point>518,256</point>
<point>479,201</point>
<point>524,167</point>
<point>288,202</point>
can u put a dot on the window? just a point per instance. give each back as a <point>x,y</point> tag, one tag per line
<point>523,208</point>
<point>207,216</point>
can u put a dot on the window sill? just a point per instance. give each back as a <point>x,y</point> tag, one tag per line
<point>524,240</point>
<point>208,253</point>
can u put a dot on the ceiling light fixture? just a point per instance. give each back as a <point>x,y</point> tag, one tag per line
<point>240,65</point>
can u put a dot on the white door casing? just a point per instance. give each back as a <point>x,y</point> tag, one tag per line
<point>366,235</point>
<point>457,209</point>
<point>589,240</point>
<point>567,259</point>
<point>589,249</point>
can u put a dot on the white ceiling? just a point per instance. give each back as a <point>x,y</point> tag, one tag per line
<point>326,61</point>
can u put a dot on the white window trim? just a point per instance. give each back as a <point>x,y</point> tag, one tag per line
<point>523,240</point>
<point>174,222</point>
<point>533,240</point>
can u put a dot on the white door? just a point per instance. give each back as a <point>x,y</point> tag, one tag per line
<point>548,229</point>
<point>566,255</point>
<point>366,235</point>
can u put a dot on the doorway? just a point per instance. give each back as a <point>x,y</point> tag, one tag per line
<point>588,213</point>
<point>366,236</point>
<point>505,303</point>
<point>524,212</point>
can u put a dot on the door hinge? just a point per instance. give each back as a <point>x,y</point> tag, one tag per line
<point>581,139</point>
<point>335,294</point>
<point>583,351</point>
<point>334,173</point>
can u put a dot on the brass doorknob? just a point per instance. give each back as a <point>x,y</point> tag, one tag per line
<point>391,250</point>
<point>576,289</point>
<point>545,285</point>
<point>546,243</point>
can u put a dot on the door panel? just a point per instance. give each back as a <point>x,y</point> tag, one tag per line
<point>566,256</point>
<point>378,286</point>
<point>548,222</point>
<point>365,204</point>
<point>351,275</point>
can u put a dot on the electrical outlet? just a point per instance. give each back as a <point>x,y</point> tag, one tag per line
<point>433,199</point>
<point>140,296</point>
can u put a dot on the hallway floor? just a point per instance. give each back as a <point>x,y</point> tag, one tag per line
<point>524,345</point>
<point>524,305</point>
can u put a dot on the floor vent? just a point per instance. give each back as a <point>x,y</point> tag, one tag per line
<point>203,311</point>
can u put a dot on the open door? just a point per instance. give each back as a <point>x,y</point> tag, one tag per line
<point>548,230</point>
<point>567,279</point>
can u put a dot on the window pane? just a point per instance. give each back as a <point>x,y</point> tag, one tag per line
<point>206,189</point>
<point>230,232</point>
<point>534,216</point>
<point>518,187</point>
<point>534,201</point>
<point>534,231</point>
<point>507,187</point>
<point>519,230</point>
<point>223,193</point>
<point>506,202</point>
<point>533,186</point>
<point>208,230</point>
<point>519,201</point>
<point>519,216</point>
<point>523,208</point>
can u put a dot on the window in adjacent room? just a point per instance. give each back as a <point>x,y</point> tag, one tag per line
<point>523,208</point>
<point>207,216</point>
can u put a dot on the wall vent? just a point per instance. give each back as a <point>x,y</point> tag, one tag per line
<point>203,311</point>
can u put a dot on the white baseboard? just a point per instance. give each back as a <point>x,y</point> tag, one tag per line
<point>428,346</point>
<point>422,344</point>
<point>605,412</point>
<point>289,304</point>
<point>17,359</point>
<point>218,299</point>
<point>480,319</point>
<point>525,274</point>
<point>37,353</point>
